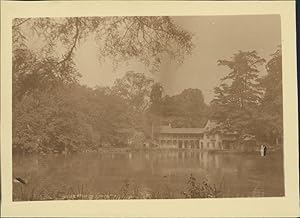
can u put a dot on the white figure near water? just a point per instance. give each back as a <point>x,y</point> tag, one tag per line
<point>263,150</point>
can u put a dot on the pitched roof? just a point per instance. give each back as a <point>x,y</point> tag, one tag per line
<point>170,130</point>
<point>211,124</point>
<point>210,127</point>
<point>248,137</point>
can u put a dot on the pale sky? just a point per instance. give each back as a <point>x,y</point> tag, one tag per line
<point>215,37</point>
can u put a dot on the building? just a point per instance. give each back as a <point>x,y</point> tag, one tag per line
<point>207,138</point>
<point>170,137</point>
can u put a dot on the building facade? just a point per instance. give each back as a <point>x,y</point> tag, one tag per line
<point>196,138</point>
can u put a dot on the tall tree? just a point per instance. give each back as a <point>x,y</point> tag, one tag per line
<point>272,106</point>
<point>153,115</point>
<point>239,94</point>
<point>135,88</point>
<point>156,98</point>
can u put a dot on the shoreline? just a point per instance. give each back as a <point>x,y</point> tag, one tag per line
<point>216,151</point>
<point>134,150</point>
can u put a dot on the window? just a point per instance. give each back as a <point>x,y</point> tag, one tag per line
<point>192,142</point>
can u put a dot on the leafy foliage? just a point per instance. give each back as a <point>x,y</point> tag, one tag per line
<point>272,83</point>
<point>135,88</point>
<point>51,112</point>
<point>271,104</point>
<point>147,39</point>
<point>247,102</point>
<point>156,95</point>
<point>200,190</point>
<point>187,109</point>
<point>239,93</point>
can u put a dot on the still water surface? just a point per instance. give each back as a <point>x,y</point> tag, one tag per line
<point>238,175</point>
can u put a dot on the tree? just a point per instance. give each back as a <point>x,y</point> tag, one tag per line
<point>147,39</point>
<point>51,112</point>
<point>31,73</point>
<point>271,104</point>
<point>45,122</point>
<point>156,98</point>
<point>153,115</point>
<point>187,109</point>
<point>238,96</point>
<point>135,88</point>
<point>73,119</point>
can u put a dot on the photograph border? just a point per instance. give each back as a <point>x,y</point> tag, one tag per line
<point>234,207</point>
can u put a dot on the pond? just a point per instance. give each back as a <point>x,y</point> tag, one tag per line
<point>236,175</point>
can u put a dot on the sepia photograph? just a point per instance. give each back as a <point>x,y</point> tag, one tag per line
<point>147,107</point>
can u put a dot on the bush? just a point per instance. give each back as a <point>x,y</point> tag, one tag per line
<point>200,190</point>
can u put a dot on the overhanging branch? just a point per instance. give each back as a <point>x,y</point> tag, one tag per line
<point>76,37</point>
<point>19,24</point>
